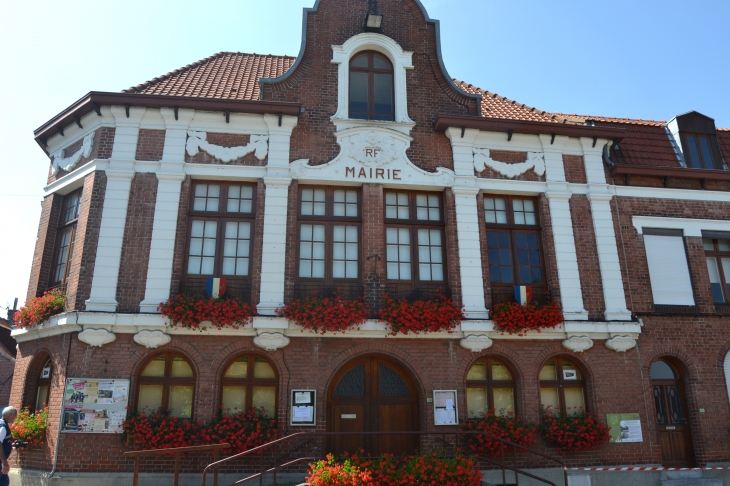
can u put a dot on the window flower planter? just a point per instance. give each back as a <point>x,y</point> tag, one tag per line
<point>434,315</point>
<point>579,431</point>
<point>30,427</point>
<point>39,309</point>
<point>190,311</point>
<point>508,427</point>
<point>325,314</point>
<point>514,318</point>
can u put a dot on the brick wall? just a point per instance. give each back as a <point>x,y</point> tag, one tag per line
<point>226,140</point>
<point>7,367</point>
<point>136,244</point>
<point>178,263</point>
<point>150,144</point>
<point>258,243</point>
<point>587,254</point>
<point>44,245</point>
<point>575,169</point>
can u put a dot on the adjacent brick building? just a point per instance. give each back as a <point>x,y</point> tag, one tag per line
<point>362,167</point>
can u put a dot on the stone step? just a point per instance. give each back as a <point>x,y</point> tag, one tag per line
<point>692,482</point>
<point>684,474</point>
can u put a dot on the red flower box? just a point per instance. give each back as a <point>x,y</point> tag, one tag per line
<point>191,310</point>
<point>580,431</point>
<point>513,318</point>
<point>437,314</point>
<point>38,309</point>
<point>508,427</point>
<point>323,314</point>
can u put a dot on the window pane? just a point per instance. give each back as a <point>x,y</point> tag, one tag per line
<point>360,61</point>
<point>240,199</point>
<point>62,256</point>
<point>495,210</point>
<point>706,152</point>
<point>477,372</point>
<point>549,398</point>
<point>234,399</point>
<point>500,371</point>
<point>398,253</point>
<point>71,206</point>
<point>379,62</point>
<point>715,282</point>
<point>207,197</point>
<point>345,252</point>
<point>504,400</point>
<point>181,401</point>
<point>181,368</point>
<point>694,153</point>
<point>499,256</point>
<point>396,205</point>
<point>263,370</point>
<point>548,372</point>
<point>427,207</point>
<point>41,397</point>
<point>574,402</point>
<point>359,95</point>
<point>265,396</point>
<point>345,203</point>
<point>311,251</point>
<point>201,253</point>
<point>660,370</point>
<point>476,402</point>
<point>383,96</point>
<point>524,211</point>
<point>238,369</point>
<point>156,367</point>
<point>150,398</point>
<point>724,245</point>
<point>726,271</point>
<point>528,258</point>
<point>708,244</point>
<point>313,202</point>
<point>236,248</point>
<point>429,242</point>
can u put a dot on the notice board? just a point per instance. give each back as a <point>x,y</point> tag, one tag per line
<point>94,405</point>
<point>625,427</point>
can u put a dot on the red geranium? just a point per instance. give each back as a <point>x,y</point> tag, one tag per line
<point>579,431</point>
<point>507,426</point>
<point>190,310</point>
<point>38,309</point>
<point>437,314</point>
<point>322,314</point>
<point>514,318</point>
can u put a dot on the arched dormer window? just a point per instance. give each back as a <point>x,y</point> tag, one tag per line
<point>371,87</point>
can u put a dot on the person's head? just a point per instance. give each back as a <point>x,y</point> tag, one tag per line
<point>9,414</point>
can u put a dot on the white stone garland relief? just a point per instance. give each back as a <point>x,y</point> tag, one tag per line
<point>372,154</point>
<point>535,161</point>
<point>271,341</point>
<point>97,337</point>
<point>68,163</point>
<point>476,343</point>
<point>198,141</point>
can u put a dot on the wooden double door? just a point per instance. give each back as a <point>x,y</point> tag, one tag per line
<point>373,394</point>
<point>671,415</point>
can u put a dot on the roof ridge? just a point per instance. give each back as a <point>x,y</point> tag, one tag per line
<point>176,72</point>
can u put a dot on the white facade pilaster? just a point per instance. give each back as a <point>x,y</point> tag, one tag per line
<point>164,227</point>
<point>613,286</point>
<point>277,181</point>
<point>119,174</point>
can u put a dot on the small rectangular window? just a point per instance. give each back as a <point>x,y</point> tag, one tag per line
<point>344,252</point>
<point>717,251</point>
<point>71,207</point>
<point>524,211</point>
<point>62,254</point>
<point>670,284</point>
<point>495,210</point>
<point>207,197</point>
<point>236,248</point>
<point>396,205</point>
<point>240,199</point>
<point>430,255</point>
<point>398,251</point>
<point>313,202</point>
<point>312,251</point>
<point>345,203</point>
<point>201,254</point>
<point>427,207</point>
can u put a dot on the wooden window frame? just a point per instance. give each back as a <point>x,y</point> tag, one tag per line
<point>63,226</point>
<point>513,229</point>
<point>249,382</point>
<point>329,221</point>
<point>718,255</point>
<point>39,382</point>
<point>489,384</point>
<point>713,165</point>
<point>167,381</point>
<point>413,225</point>
<point>221,217</point>
<point>561,383</point>
<point>371,70</point>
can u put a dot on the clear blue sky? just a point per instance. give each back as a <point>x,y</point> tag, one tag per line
<point>646,59</point>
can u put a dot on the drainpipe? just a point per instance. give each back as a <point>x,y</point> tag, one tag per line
<point>58,432</point>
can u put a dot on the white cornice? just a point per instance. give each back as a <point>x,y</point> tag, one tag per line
<point>690,227</point>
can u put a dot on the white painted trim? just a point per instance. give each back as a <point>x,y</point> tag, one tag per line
<point>401,60</point>
<point>135,323</point>
<point>470,257</point>
<point>691,227</point>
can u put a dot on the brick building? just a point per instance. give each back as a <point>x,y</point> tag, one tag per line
<point>362,166</point>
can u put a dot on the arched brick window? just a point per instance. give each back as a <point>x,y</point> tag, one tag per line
<point>490,384</point>
<point>249,381</point>
<point>562,386</point>
<point>43,385</point>
<point>371,87</point>
<point>167,380</point>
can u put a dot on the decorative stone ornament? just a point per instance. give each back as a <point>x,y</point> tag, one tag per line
<point>476,343</point>
<point>96,337</point>
<point>68,163</point>
<point>535,161</point>
<point>578,344</point>
<point>271,341</point>
<point>372,155</point>
<point>621,344</point>
<point>197,141</point>
<point>151,339</point>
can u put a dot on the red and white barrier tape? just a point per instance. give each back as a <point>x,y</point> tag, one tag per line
<point>647,468</point>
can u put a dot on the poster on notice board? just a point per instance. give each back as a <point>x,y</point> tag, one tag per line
<point>94,405</point>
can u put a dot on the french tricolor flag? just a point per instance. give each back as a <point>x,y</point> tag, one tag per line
<point>523,294</point>
<point>215,287</point>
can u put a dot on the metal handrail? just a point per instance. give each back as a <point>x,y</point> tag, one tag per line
<point>177,452</point>
<point>260,449</point>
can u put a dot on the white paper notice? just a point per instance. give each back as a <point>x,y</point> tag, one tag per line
<point>302,397</point>
<point>303,414</point>
<point>449,404</point>
<point>445,417</point>
<point>631,431</point>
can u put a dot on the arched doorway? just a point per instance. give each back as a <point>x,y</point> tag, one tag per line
<point>373,394</point>
<point>672,416</point>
